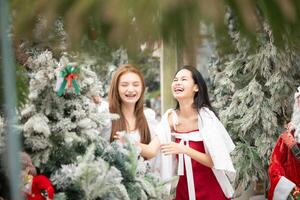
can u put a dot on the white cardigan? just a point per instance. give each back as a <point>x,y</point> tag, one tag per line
<point>217,143</point>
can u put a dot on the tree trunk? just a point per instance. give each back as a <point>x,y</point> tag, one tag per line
<point>168,66</point>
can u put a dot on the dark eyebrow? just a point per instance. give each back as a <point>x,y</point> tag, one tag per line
<point>182,77</point>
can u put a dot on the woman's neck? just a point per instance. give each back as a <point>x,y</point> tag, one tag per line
<point>186,108</point>
<point>128,110</point>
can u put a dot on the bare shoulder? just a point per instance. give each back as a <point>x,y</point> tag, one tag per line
<point>170,120</point>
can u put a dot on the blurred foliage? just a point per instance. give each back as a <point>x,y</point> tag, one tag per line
<point>130,23</point>
<point>22,86</point>
<point>150,67</point>
<point>97,29</point>
<point>104,60</point>
<point>153,94</point>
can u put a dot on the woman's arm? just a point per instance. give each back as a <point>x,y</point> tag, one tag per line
<point>202,158</point>
<point>175,148</point>
<point>150,150</point>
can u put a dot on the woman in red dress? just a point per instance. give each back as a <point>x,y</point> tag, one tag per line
<point>195,135</point>
<point>199,141</point>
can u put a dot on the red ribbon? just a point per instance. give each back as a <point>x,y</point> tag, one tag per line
<point>69,79</point>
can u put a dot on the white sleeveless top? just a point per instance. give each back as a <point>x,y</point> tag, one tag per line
<point>135,135</point>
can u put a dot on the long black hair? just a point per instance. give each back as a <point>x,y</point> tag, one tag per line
<point>201,98</point>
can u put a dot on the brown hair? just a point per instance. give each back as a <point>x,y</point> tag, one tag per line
<point>115,104</point>
<point>26,163</point>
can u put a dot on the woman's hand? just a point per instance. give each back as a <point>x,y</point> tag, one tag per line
<point>120,136</point>
<point>177,148</point>
<point>173,148</point>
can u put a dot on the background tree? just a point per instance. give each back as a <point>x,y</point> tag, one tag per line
<point>253,91</point>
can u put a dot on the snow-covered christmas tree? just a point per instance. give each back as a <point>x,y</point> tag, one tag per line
<point>253,93</point>
<point>61,131</point>
<point>50,120</point>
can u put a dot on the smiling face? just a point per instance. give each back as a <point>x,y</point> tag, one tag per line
<point>183,85</point>
<point>130,88</point>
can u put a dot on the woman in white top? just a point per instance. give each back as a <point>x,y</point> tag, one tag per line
<point>126,98</point>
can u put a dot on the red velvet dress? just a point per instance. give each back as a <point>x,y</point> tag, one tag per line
<point>206,184</point>
<point>283,164</point>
